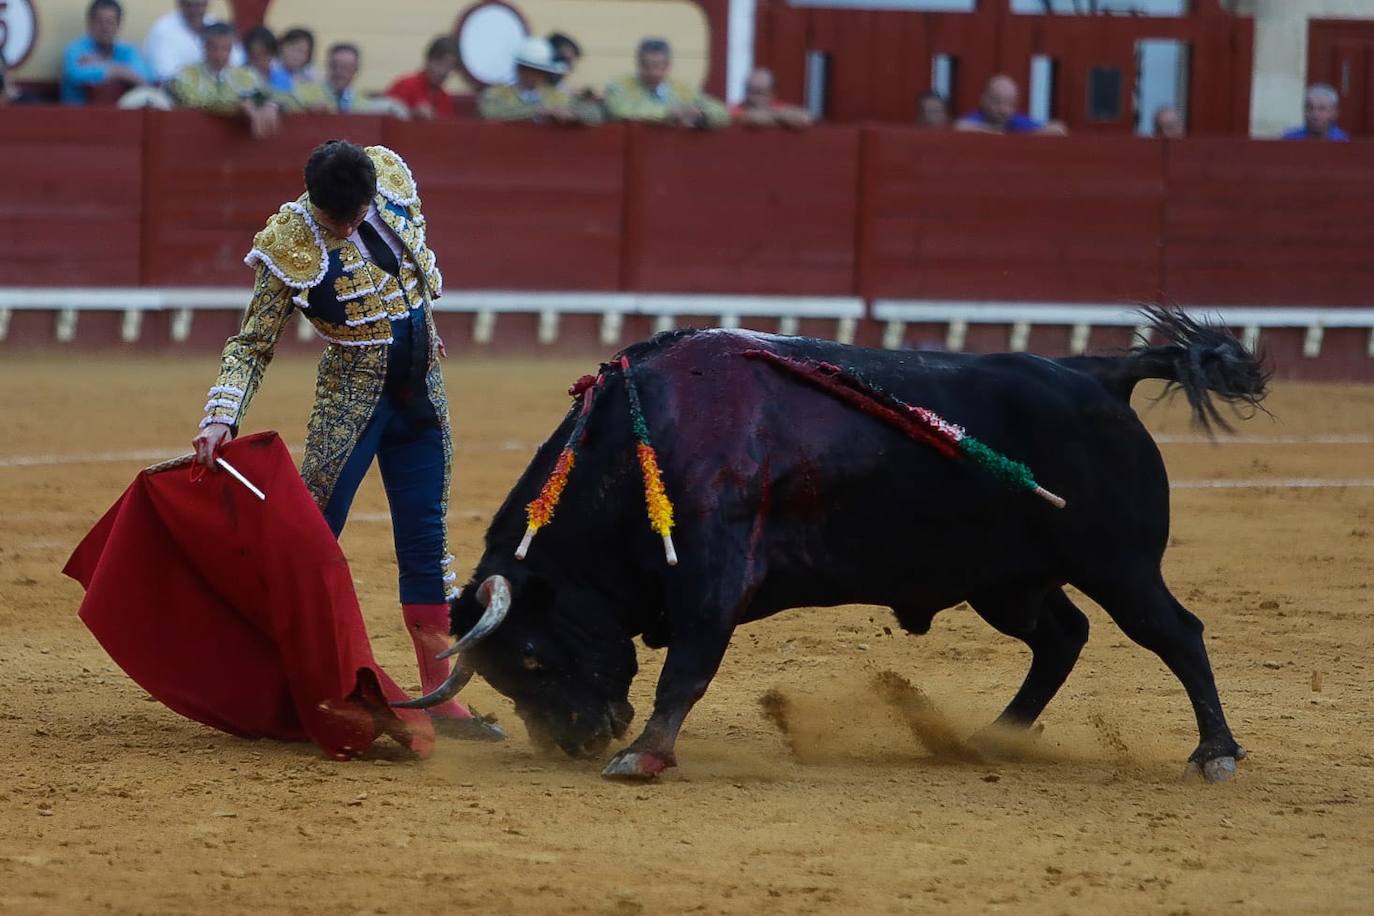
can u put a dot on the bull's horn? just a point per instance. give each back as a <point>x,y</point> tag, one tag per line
<point>456,681</point>
<point>494,596</point>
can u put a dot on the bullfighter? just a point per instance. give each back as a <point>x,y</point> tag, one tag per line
<point>350,253</point>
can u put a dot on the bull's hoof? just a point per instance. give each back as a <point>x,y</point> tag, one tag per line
<point>1218,769</point>
<point>637,765</point>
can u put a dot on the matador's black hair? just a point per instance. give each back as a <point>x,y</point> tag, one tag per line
<point>341,179</point>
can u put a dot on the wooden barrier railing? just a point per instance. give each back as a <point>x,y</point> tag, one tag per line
<point>165,200</point>
<point>107,198</point>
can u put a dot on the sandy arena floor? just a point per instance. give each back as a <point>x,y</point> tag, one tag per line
<point>111,803</point>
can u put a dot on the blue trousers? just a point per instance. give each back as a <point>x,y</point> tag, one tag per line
<point>411,458</point>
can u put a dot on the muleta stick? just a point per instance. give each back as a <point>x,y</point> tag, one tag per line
<point>656,500</point>
<point>919,423</point>
<point>189,459</point>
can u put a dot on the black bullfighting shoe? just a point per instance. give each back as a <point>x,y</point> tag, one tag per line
<point>474,728</point>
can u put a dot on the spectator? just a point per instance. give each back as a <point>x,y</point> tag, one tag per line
<point>1320,109</point>
<point>296,51</point>
<point>567,52</point>
<point>261,47</point>
<point>761,109</point>
<point>219,88</point>
<point>997,113</point>
<point>423,92</point>
<point>1168,123</point>
<point>650,96</point>
<point>533,96</point>
<point>175,41</point>
<point>96,67</point>
<point>932,111</point>
<point>342,63</point>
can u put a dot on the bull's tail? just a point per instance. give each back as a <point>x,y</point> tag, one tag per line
<point>1204,361</point>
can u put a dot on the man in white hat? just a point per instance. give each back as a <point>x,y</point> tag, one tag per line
<point>533,96</point>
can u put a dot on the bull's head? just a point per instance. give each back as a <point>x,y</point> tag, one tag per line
<point>560,656</point>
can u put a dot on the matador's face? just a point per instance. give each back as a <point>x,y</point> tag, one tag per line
<point>339,226</point>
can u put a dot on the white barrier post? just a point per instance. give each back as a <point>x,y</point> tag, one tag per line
<point>1020,336</point>
<point>66,325</point>
<point>956,336</point>
<point>130,327</point>
<point>894,332</point>
<point>181,325</point>
<point>611,323</point>
<point>1078,340</point>
<point>484,327</point>
<point>1312,343</point>
<point>548,327</point>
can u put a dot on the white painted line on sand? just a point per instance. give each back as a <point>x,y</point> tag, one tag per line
<point>26,461</point>
<point>1168,439</point>
<point>1273,483</point>
<point>154,455</point>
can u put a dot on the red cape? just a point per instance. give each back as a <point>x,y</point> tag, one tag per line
<point>238,612</point>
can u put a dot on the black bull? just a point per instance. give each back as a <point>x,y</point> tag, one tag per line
<point>788,497</point>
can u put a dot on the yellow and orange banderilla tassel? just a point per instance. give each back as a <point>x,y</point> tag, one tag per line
<point>656,500</point>
<point>540,510</point>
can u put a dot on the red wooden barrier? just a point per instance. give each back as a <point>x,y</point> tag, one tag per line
<point>880,61</point>
<point>113,198</point>
<point>741,212</point>
<point>71,198</point>
<point>519,206</point>
<point>1269,223</point>
<point>1021,218</point>
<point>210,187</point>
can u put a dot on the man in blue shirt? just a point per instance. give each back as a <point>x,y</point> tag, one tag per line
<point>997,113</point>
<point>1319,112</point>
<point>341,69</point>
<point>97,65</point>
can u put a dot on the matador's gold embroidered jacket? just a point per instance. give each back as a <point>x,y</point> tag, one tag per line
<point>349,300</point>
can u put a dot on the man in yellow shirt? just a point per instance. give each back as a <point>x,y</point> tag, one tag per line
<point>650,96</point>
<point>533,96</point>
<point>220,89</point>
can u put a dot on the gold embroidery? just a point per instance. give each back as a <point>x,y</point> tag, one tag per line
<point>394,180</point>
<point>349,288</point>
<point>374,332</point>
<point>291,248</point>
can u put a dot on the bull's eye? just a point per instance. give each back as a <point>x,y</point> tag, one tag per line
<point>531,663</point>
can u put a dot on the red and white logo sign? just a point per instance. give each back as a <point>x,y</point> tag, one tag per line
<point>18,30</point>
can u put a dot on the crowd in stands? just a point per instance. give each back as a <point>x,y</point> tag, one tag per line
<point>191,60</point>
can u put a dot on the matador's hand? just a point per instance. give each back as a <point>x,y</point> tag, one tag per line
<point>209,441</point>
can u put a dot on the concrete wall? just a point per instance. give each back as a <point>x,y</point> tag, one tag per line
<point>1281,56</point>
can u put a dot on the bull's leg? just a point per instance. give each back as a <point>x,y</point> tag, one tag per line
<point>1055,633</point>
<point>1143,607</point>
<point>692,661</point>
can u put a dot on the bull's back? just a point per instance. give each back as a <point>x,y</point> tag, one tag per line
<point>828,496</point>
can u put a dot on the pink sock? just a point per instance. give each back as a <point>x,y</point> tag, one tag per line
<point>428,626</point>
